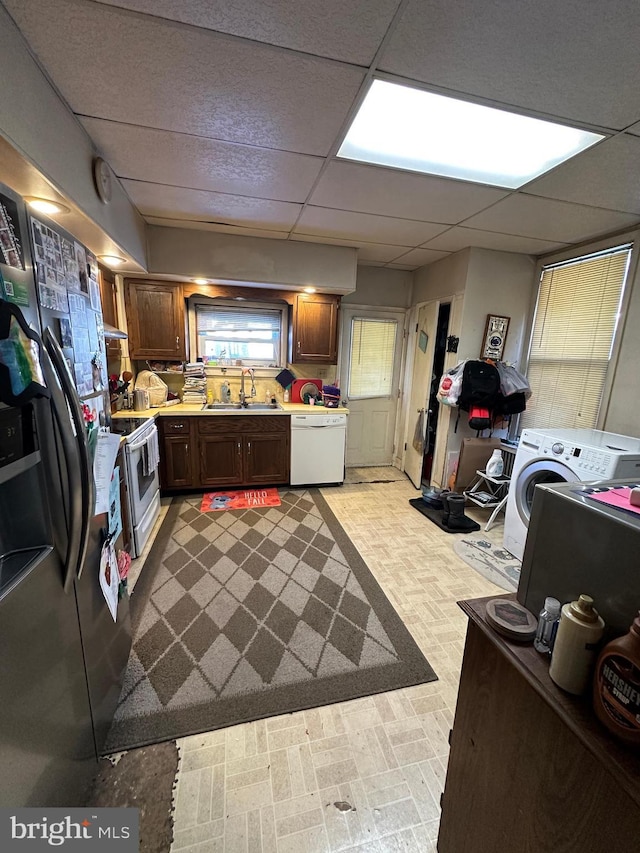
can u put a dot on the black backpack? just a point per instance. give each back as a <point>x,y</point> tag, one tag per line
<point>480,386</point>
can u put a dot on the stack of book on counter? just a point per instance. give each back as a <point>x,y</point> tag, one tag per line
<point>194,390</point>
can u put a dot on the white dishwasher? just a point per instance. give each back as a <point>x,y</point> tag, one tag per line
<point>317,449</point>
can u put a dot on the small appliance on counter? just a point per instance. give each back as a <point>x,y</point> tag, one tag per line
<point>311,388</point>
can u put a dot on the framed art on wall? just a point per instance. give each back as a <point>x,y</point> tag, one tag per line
<point>495,335</point>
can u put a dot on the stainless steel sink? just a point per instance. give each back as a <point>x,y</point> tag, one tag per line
<point>250,407</point>
<point>222,406</point>
<point>263,407</point>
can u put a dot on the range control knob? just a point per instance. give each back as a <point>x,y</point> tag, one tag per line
<point>557,448</point>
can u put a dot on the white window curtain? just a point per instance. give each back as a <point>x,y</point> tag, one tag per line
<point>575,322</point>
<point>371,357</point>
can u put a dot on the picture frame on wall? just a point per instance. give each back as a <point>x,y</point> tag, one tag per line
<point>495,335</point>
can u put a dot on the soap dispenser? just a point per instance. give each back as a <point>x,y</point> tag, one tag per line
<point>225,392</point>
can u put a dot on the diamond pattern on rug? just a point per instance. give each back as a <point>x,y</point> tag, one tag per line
<point>268,598</point>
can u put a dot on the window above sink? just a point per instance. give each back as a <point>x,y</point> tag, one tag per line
<point>251,334</point>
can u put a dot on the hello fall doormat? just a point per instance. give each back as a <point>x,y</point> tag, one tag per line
<point>248,614</point>
<point>239,499</point>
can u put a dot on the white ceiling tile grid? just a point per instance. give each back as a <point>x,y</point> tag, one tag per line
<point>227,116</point>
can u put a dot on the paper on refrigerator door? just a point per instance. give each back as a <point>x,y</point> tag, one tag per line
<point>109,577</point>
<point>106,451</point>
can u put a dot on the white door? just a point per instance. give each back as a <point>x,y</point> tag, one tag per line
<point>424,334</point>
<point>370,355</point>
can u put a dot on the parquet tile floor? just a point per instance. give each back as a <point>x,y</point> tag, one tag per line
<point>364,775</point>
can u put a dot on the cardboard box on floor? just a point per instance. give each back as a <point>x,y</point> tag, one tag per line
<point>474,455</point>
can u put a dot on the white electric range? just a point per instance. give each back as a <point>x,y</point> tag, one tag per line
<point>142,459</point>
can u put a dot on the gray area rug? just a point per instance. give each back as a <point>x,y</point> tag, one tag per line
<point>251,613</point>
<point>490,560</point>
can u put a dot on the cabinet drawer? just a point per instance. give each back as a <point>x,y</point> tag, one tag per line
<point>175,426</point>
<point>219,424</point>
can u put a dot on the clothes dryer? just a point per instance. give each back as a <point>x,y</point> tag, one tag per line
<point>562,455</point>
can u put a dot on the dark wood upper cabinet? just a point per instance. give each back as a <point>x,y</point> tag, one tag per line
<point>108,296</point>
<point>108,300</point>
<point>314,330</point>
<point>156,320</point>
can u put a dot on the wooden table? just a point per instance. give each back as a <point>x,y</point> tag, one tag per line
<point>531,769</point>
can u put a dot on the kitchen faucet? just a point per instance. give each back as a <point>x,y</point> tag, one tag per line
<point>243,396</point>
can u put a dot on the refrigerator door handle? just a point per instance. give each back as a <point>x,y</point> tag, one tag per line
<point>82,496</point>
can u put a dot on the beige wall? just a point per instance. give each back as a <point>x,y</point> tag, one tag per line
<point>497,283</point>
<point>39,125</point>
<point>441,280</point>
<point>181,252</point>
<point>381,287</point>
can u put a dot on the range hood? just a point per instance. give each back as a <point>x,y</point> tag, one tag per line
<point>111,333</point>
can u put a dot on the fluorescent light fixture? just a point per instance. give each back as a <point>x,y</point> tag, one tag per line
<point>200,281</point>
<point>112,260</point>
<point>46,206</point>
<point>423,132</point>
<point>309,290</point>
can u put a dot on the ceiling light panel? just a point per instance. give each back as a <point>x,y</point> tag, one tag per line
<point>420,131</point>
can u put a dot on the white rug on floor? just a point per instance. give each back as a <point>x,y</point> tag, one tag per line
<point>490,560</point>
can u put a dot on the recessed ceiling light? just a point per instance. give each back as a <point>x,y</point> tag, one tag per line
<point>45,205</point>
<point>201,281</point>
<point>309,290</point>
<point>423,132</point>
<point>112,260</point>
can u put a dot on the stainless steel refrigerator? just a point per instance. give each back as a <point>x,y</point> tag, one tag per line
<point>62,656</point>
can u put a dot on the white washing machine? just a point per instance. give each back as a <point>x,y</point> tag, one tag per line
<point>562,455</point>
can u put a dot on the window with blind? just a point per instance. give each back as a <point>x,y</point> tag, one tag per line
<point>373,344</point>
<point>251,334</point>
<point>575,322</point>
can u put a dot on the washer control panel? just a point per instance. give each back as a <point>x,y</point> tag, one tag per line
<point>584,459</point>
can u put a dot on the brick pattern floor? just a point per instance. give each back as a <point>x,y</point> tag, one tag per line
<point>272,786</point>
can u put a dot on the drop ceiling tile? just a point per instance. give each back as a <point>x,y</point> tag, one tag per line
<point>366,251</point>
<point>604,176</point>
<point>346,225</point>
<point>563,59</point>
<point>408,195</point>
<point>217,228</point>
<point>419,257</point>
<point>348,31</point>
<point>546,219</point>
<point>460,238</point>
<point>152,72</point>
<point>177,203</point>
<point>181,160</point>
<point>635,129</point>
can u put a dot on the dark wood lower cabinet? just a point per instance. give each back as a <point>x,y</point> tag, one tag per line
<point>221,460</point>
<point>224,451</point>
<point>266,458</point>
<point>177,463</point>
<point>531,770</point>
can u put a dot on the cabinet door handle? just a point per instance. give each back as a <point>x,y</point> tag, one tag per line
<point>186,447</point>
<point>240,447</point>
<point>298,344</point>
<point>248,447</point>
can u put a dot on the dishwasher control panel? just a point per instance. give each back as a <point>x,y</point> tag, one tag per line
<point>314,420</point>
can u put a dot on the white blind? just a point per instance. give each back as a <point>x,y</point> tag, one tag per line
<point>575,322</point>
<point>221,322</point>
<point>251,334</point>
<point>373,344</point>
